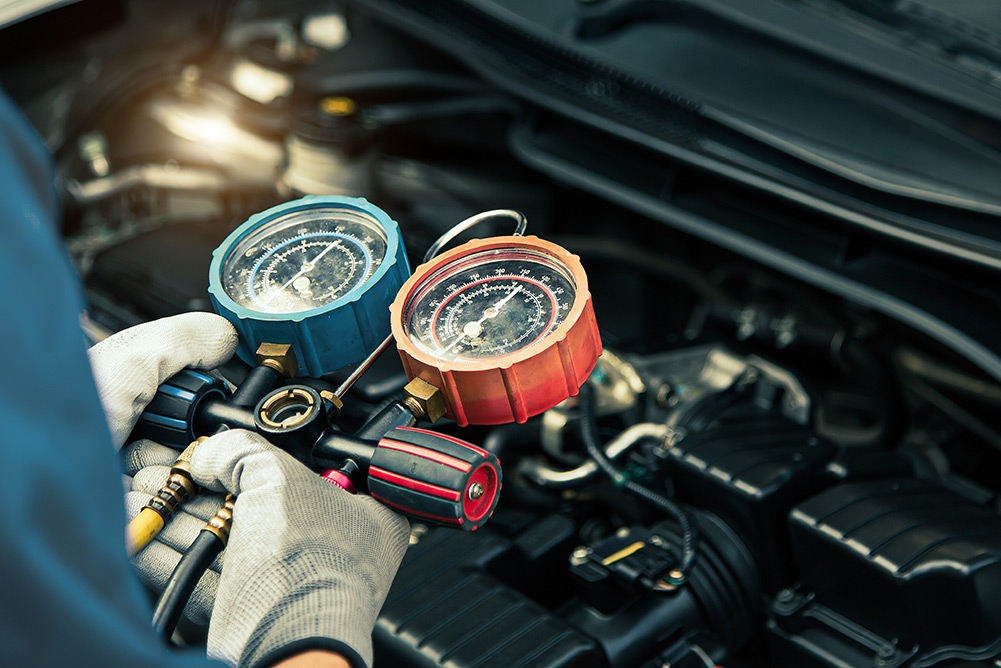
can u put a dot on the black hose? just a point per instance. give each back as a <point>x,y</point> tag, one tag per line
<point>589,433</point>
<point>183,580</point>
<point>702,414</point>
<point>616,251</point>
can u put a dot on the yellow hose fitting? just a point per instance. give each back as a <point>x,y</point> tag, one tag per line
<point>142,530</point>
<point>159,509</point>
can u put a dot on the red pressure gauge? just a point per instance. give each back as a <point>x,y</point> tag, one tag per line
<point>504,327</point>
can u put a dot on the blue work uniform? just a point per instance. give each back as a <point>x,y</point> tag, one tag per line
<point>69,596</point>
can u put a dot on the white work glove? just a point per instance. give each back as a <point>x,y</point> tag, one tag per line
<point>128,368</point>
<point>148,465</point>
<point>130,365</point>
<point>308,565</point>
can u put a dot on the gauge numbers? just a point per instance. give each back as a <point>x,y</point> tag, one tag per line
<point>303,260</point>
<point>489,304</point>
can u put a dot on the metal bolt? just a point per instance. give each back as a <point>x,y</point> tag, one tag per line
<point>623,532</point>
<point>676,574</point>
<point>785,595</point>
<point>666,396</point>
<point>657,540</point>
<point>793,401</point>
<point>580,555</point>
<point>417,531</point>
<point>746,326</point>
<point>476,491</point>
<point>335,105</point>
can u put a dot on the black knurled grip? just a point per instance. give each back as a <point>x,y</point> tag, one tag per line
<point>168,417</point>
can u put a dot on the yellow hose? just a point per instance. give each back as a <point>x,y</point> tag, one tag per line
<point>141,530</point>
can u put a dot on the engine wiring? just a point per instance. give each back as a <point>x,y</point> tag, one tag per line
<point>589,434</point>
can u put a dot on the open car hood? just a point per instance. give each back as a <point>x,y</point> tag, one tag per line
<point>852,154</point>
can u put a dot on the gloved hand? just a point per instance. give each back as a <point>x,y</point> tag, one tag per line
<point>130,365</point>
<point>128,368</point>
<point>308,565</point>
<point>148,465</point>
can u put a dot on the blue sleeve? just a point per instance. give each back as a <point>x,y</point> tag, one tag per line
<point>69,594</point>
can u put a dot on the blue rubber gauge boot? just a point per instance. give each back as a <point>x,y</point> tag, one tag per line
<point>318,273</point>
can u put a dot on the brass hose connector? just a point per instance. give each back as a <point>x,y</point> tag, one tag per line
<point>159,509</point>
<point>179,485</point>
<point>222,522</point>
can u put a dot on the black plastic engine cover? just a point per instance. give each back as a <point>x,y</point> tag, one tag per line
<point>907,559</point>
<point>444,609</point>
<point>751,471</point>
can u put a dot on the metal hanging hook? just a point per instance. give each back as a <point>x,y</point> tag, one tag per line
<point>517,216</point>
<point>521,222</point>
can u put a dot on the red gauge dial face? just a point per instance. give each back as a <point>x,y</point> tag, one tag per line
<point>489,304</point>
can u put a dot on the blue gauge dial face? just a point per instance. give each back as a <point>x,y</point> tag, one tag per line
<point>303,260</point>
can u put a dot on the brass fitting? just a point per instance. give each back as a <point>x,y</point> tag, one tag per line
<point>424,400</point>
<point>178,488</point>
<point>294,397</point>
<point>179,484</point>
<point>334,401</point>
<point>183,462</point>
<point>338,105</point>
<point>278,356</point>
<point>222,521</point>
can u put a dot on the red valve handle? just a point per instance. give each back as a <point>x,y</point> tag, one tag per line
<point>435,478</point>
<point>335,477</point>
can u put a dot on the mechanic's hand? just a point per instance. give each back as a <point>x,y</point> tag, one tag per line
<point>308,565</point>
<point>130,365</point>
<point>149,465</point>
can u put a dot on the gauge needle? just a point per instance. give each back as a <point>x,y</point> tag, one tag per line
<point>472,329</point>
<point>305,268</point>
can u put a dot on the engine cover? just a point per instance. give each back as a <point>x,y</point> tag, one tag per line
<point>906,566</point>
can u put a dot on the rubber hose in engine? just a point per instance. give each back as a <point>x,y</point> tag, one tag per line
<point>589,433</point>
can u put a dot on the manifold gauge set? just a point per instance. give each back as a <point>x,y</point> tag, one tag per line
<point>503,326</point>
<point>493,331</point>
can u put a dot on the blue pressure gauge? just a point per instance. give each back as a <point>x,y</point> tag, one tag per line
<point>318,273</point>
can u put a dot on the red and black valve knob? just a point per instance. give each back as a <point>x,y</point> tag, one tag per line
<point>435,477</point>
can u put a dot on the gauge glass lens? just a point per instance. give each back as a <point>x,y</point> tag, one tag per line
<point>489,304</point>
<point>303,260</point>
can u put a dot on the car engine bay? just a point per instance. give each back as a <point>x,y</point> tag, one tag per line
<point>828,469</point>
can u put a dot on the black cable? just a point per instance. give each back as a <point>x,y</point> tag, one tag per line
<point>616,251</point>
<point>183,580</point>
<point>589,433</point>
<point>703,413</point>
<point>381,80</point>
